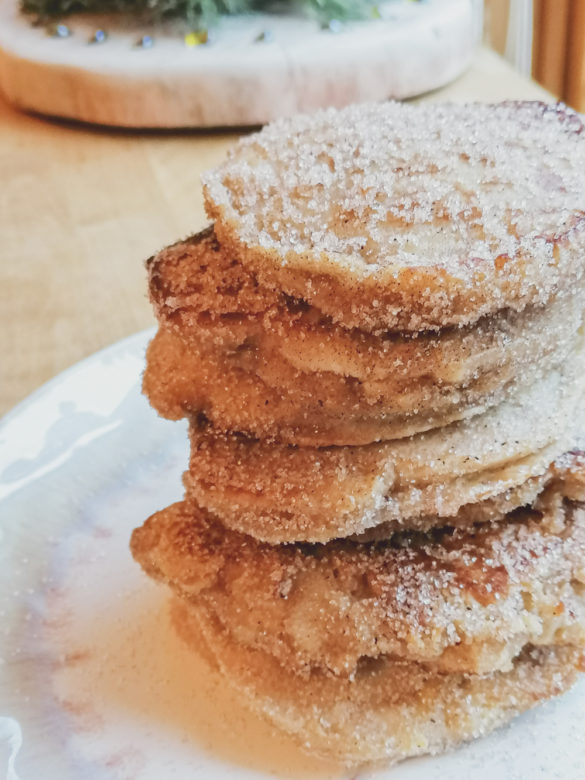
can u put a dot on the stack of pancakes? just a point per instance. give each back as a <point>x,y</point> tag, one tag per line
<point>379,345</point>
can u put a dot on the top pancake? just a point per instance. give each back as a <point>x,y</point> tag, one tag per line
<point>399,216</point>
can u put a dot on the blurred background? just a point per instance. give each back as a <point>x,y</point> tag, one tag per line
<point>544,39</point>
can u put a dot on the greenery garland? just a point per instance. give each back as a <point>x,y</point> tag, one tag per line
<point>202,13</point>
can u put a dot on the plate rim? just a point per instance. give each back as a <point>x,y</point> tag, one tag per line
<point>22,406</point>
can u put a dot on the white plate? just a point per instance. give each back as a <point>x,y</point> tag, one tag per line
<point>94,681</point>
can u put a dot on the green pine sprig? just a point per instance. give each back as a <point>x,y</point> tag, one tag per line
<point>201,13</point>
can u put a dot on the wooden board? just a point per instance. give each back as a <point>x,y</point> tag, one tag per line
<point>551,30</point>
<point>234,79</point>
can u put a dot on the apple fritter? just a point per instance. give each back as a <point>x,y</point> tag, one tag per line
<point>455,600</point>
<point>390,710</point>
<point>409,216</point>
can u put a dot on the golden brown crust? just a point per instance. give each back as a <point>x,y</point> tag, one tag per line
<point>183,379</point>
<point>409,216</point>
<point>198,277</point>
<point>294,369</point>
<point>487,465</point>
<point>390,710</point>
<point>457,600</point>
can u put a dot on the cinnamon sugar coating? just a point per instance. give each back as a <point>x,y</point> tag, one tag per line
<point>280,493</point>
<point>409,216</point>
<point>379,344</point>
<point>280,368</point>
<point>391,710</point>
<point>456,600</point>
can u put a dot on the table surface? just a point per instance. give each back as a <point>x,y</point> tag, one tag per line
<point>83,207</point>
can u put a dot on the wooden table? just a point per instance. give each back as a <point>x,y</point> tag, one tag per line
<point>82,208</point>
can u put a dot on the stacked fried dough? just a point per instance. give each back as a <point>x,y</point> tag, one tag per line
<point>379,345</point>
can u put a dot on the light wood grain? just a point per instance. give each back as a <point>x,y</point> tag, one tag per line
<point>81,209</point>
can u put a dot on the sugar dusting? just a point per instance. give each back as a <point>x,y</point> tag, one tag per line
<point>419,597</point>
<point>139,702</point>
<point>456,212</point>
<point>399,185</point>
